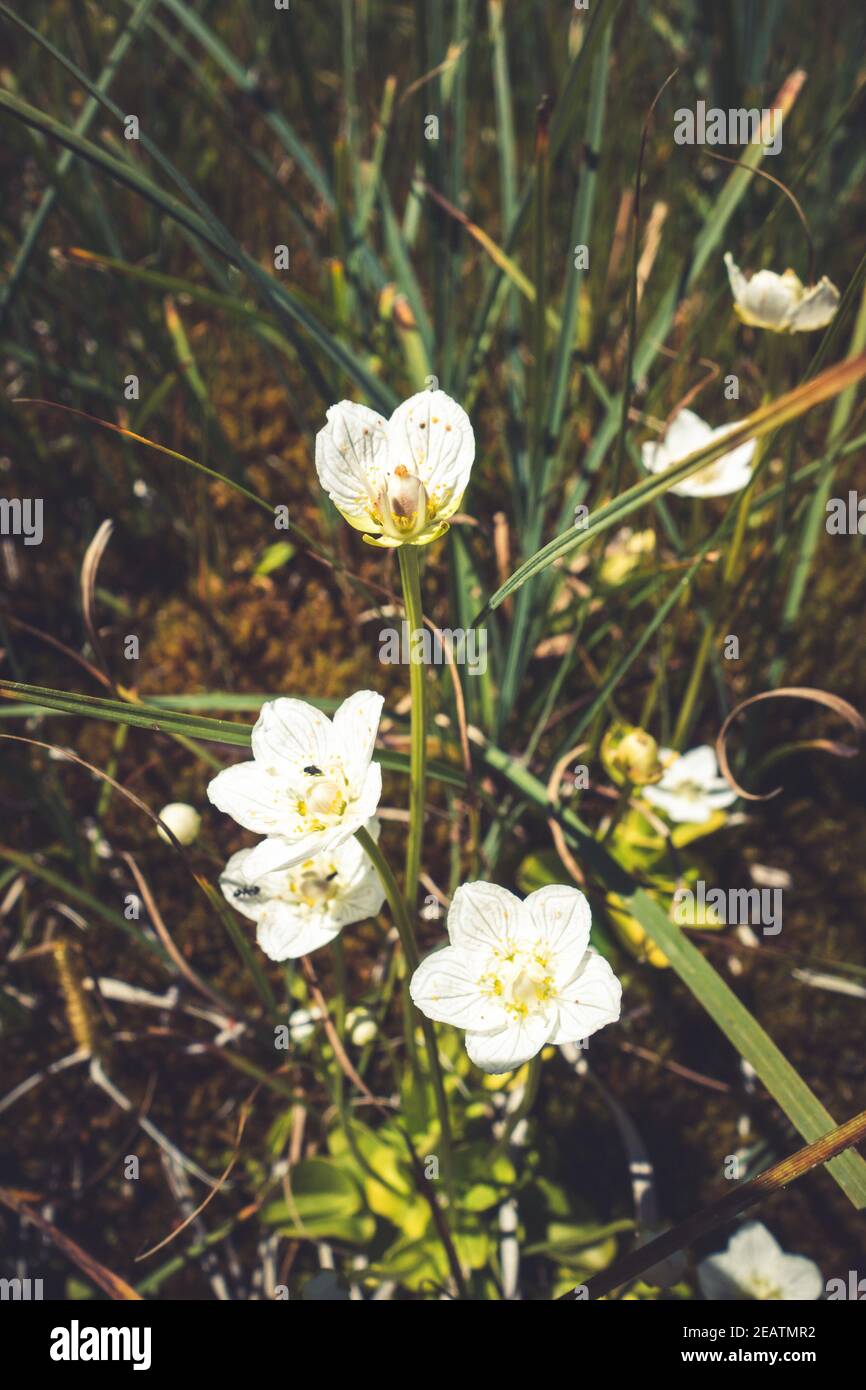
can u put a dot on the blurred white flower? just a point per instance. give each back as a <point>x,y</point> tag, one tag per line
<point>517,975</point>
<point>311,783</point>
<point>182,820</point>
<point>397,480</point>
<point>361,1026</point>
<point>686,434</point>
<point>304,907</point>
<point>302,1024</point>
<point>691,788</point>
<point>755,1266</point>
<point>781,303</point>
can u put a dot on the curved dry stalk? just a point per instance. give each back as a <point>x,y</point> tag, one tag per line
<point>791,692</point>
<point>554,826</point>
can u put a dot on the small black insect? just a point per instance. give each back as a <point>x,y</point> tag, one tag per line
<point>242,890</point>
<point>313,771</point>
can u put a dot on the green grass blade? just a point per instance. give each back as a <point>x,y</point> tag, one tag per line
<point>771,417</point>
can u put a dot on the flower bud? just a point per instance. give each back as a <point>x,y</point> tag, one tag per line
<point>631,755</point>
<point>183,821</point>
<point>302,1024</point>
<point>361,1027</point>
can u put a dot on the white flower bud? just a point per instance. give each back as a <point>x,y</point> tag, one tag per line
<point>182,820</point>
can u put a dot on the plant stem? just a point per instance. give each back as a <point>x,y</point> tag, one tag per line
<point>410,950</point>
<point>617,812</point>
<point>410,576</point>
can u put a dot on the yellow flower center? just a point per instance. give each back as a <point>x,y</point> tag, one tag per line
<point>325,798</point>
<point>521,979</point>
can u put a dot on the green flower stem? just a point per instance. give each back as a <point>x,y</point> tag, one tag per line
<point>618,811</point>
<point>410,576</point>
<point>410,950</point>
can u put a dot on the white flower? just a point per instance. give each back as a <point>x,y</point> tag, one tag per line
<point>690,789</point>
<point>304,907</point>
<point>755,1266</point>
<point>183,821</point>
<point>397,480</point>
<point>686,434</point>
<point>311,783</point>
<point>361,1026</point>
<point>302,1024</point>
<point>781,302</point>
<point>517,975</point>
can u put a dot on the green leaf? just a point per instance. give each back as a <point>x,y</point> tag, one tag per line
<point>323,1192</point>
<point>276,555</point>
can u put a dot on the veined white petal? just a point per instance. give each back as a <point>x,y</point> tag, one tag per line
<point>445,987</point>
<point>290,735</point>
<point>589,1001</point>
<point>562,917</point>
<point>510,1047</point>
<point>352,461</point>
<point>236,885</point>
<point>369,796</point>
<point>254,799</point>
<point>276,852</point>
<point>284,935</point>
<point>432,436</point>
<point>355,726</point>
<point>484,916</point>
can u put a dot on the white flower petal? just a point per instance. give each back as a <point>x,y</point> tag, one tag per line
<point>355,726</point>
<point>276,852</point>
<point>754,1266</point>
<point>770,298</point>
<point>290,735</point>
<point>431,435</point>
<point>284,935</point>
<point>252,798</point>
<point>683,809</point>
<point>235,886</point>
<point>352,461</point>
<point>816,308</point>
<point>563,918</point>
<point>686,433</point>
<point>802,1280</point>
<point>698,765</point>
<point>736,277</point>
<point>445,988</point>
<point>510,1047</point>
<point>369,796</point>
<point>484,916</point>
<point>593,1000</point>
